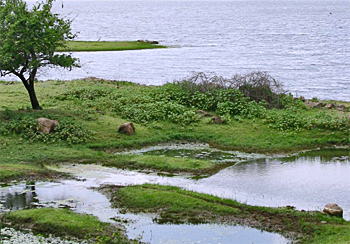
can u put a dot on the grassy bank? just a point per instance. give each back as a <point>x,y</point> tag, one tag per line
<point>64,223</point>
<point>27,171</point>
<point>174,205</point>
<point>90,112</point>
<point>94,46</point>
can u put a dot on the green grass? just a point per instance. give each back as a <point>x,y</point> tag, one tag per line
<point>61,222</point>
<point>27,171</point>
<point>173,204</point>
<point>163,163</point>
<point>180,206</point>
<point>94,104</point>
<point>89,46</point>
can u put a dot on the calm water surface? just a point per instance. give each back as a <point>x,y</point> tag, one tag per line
<point>305,44</point>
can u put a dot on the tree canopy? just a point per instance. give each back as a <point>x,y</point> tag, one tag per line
<point>29,39</point>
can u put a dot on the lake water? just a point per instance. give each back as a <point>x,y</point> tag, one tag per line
<point>304,44</point>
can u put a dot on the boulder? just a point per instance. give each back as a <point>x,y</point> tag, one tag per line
<point>127,128</point>
<point>333,210</point>
<point>47,125</point>
<point>217,120</point>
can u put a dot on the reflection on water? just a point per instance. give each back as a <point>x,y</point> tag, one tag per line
<point>77,196</point>
<point>19,197</point>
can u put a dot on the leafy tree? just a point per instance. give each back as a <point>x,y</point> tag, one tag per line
<point>28,40</point>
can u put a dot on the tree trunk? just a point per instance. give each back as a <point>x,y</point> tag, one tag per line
<point>33,99</point>
<point>29,85</point>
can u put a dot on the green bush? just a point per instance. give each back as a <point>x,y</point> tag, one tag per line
<point>295,119</point>
<point>285,120</point>
<point>146,112</point>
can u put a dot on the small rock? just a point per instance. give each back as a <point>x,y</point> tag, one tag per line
<point>333,210</point>
<point>330,106</point>
<point>323,222</point>
<point>127,128</point>
<point>217,120</point>
<point>340,107</point>
<point>311,104</point>
<point>147,41</point>
<point>47,125</point>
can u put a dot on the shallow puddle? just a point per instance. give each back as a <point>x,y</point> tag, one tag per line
<point>77,196</point>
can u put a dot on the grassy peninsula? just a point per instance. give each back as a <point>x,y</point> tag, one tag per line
<point>94,46</point>
<point>244,117</point>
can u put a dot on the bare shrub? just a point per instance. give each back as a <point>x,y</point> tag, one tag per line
<point>202,82</point>
<point>257,85</point>
<point>260,86</point>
